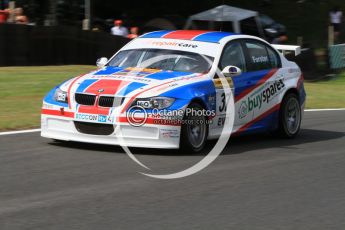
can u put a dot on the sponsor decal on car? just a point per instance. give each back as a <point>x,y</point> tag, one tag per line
<point>180,44</point>
<point>93,118</point>
<point>145,70</point>
<point>218,84</point>
<point>264,95</point>
<point>47,106</point>
<point>124,77</point>
<point>170,133</point>
<point>294,70</point>
<point>260,59</point>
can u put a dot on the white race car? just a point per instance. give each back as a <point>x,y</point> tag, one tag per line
<point>162,90</point>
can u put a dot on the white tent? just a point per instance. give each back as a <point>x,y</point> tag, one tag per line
<point>225,13</point>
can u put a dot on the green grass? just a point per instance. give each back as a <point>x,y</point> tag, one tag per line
<point>23,88</point>
<point>326,94</point>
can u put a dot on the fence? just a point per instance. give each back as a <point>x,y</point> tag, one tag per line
<point>22,45</point>
<point>337,56</point>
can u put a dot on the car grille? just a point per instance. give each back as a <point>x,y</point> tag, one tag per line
<point>85,99</point>
<point>94,128</point>
<point>110,101</point>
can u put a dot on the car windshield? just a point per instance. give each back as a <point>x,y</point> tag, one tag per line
<point>173,60</point>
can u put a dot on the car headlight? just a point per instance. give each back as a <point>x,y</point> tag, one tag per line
<point>60,96</point>
<point>154,102</point>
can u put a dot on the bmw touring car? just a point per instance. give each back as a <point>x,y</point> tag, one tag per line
<point>121,102</point>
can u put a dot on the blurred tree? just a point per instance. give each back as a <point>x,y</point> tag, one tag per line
<point>70,12</point>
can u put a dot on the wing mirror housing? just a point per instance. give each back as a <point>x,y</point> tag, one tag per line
<point>101,61</point>
<point>231,71</point>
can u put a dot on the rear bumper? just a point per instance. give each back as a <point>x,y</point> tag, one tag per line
<point>147,136</point>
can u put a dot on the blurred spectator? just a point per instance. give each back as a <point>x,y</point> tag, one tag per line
<point>20,18</point>
<point>282,38</point>
<point>4,15</point>
<point>118,29</point>
<point>335,17</point>
<point>134,32</point>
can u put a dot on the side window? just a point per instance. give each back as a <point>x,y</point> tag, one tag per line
<point>274,58</point>
<point>233,55</point>
<point>258,56</point>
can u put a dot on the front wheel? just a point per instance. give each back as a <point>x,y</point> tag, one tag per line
<point>290,116</point>
<point>194,129</point>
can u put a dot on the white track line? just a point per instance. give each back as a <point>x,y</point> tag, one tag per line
<point>37,130</point>
<point>19,132</point>
<point>316,110</point>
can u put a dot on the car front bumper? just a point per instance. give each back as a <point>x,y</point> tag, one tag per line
<point>147,136</point>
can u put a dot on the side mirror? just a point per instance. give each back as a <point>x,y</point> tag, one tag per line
<point>231,71</point>
<point>101,61</point>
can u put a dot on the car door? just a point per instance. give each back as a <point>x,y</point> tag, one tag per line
<point>232,55</point>
<point>260,95</point>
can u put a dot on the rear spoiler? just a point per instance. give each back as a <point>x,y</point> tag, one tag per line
<point>296,49</point>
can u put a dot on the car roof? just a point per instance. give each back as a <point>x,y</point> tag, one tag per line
<point>191,35</point>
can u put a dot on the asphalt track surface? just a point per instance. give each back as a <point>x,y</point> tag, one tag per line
<point>259,182</point>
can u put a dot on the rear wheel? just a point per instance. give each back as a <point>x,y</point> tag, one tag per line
<point>290,116</point>
<point>194,129</point>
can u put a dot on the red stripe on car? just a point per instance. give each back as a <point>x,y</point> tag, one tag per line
<point>105,87</point>
<point>69,89</point>
<point>93,110</point>
<point>153,121</point>
<point>300,81</point>
<point>185,35</point>
<point>262,116</point>
<point>141,92</point>
<point>57,113</point>
<point>261,81</point>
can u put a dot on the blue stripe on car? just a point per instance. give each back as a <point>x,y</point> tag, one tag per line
<point>129,88</point>
<point>248,79</point>
<point>86,83</point>
<point>49,98</point>
<point>163,75</point>
<point>269,122</point>
<point>108,70</point>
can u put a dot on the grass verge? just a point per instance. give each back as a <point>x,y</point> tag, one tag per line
<point>326,94</point>
<point>22,90</point>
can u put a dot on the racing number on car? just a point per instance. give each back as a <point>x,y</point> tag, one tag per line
<point>222,100</point>
<point>222,106</point>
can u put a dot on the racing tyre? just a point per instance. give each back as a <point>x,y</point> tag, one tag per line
<point>194,130</point>
<point>290,116</point>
